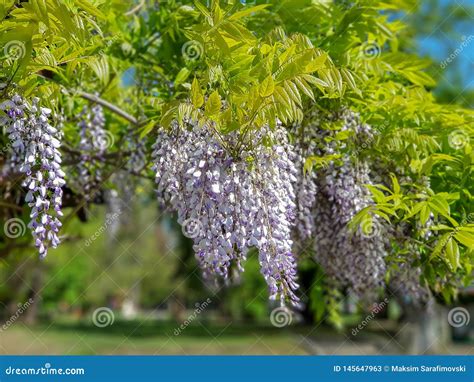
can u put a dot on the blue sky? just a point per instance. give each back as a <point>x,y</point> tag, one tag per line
<point>440,46</point>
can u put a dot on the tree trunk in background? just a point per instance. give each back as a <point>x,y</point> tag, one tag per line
<point>424,329</point>
<point>31,313</point>
<point>177,308</point>
<point>122,207</point>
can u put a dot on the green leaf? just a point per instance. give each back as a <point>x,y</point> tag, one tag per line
<point>89,8</point>
<point>213,104</point>
<point>182,76</point>
<point>452,253</point>
<point>197,98</point>
<point>301,83</point>
<point>395,184</point>
<point>266,87</point>
<point>465,238</point>
<point>145,130</point>
<point>377,194</point>
<point>424,214</point>
<point>202,8</point>
<point>248,11</point>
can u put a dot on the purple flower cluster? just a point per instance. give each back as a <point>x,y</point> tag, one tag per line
<point>92,137</point>
<point>356,260</point>
<point>35,145</point>
<point>228,203</point>
<point>306,189</point>
<point>137,160</point>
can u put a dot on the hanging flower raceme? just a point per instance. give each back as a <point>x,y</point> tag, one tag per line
<point>92,146</point>
<point>354,259</point>
<point>306,189</point>
<point>35,150</point>
<point>137,159</point>
<point>230,203</point>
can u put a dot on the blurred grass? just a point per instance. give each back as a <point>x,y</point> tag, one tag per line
<point>149,337</point>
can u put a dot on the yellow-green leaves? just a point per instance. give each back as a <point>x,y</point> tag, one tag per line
<point>465,235</point>
<point>100,66</point>
<point>410,67</point>
<point>182,76</point>
<point>213,104</point>
<point>452,253</point>
<point>89,8</point>
<point>197,98</point>
<point>266,87</point>
<point>248,11</point>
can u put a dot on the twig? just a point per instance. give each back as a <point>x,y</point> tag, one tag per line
<point>115,109</point>
<point>10,205</point>
<point>93,98</point>
<point>135,9</point>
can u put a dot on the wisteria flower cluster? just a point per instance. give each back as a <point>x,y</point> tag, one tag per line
<point>137,159</point>
<point>35,150</point>
<point>306,189</point>
<point>354,259</point>
<point>91,145</point>
<point>230,203</point>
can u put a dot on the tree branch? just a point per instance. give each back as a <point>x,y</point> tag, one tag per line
<point>135,9</point>
<point>93,98</point>
<point>108,105</point>
<point>10,205</point>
